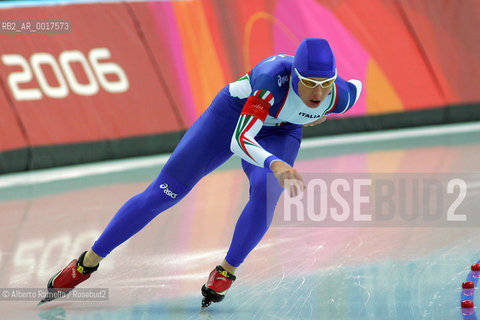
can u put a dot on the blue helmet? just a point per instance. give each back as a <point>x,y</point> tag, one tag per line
<point>313,58</point>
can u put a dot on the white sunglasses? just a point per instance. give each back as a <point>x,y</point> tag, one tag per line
<point>309,83</point>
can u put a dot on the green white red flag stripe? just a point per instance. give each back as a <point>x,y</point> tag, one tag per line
<point>265,95</point>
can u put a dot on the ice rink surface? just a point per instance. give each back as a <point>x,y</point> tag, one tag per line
<point>49,217</point>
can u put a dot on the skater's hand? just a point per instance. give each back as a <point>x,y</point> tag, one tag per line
<point>288,177</point>
<point>318,121</point>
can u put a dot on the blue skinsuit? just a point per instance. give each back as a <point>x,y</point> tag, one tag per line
<point>223,128</point>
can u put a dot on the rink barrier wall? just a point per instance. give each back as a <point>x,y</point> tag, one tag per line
<point>131,77</point>
<point>60,155</point>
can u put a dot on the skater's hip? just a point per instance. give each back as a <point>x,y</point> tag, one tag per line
<point>226,106</point>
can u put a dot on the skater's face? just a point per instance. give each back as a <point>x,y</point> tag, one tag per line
<point>312,97</point>
<point>314,90</point>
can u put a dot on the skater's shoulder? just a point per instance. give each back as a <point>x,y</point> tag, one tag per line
<point>272,74</point>
<point>279,64</point>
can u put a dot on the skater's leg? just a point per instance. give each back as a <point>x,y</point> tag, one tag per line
<point>138,211</point>
<point>204,147</point>
<point>255,218</point>
<point>91,259</point>
<point>257,215</point>
<point>227,266</point>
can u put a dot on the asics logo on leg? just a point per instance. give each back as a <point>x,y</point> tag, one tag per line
<point>167,191</point>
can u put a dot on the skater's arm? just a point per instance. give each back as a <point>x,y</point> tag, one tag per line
<point>347,95</point>
<point>250,122</point>
<point>288,177</point>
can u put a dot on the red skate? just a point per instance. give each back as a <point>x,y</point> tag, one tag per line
<point>217,286</point>
<point>65,280</point>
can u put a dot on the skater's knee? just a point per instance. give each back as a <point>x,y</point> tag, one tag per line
<point>164,192</point>
<point>264,184</point>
